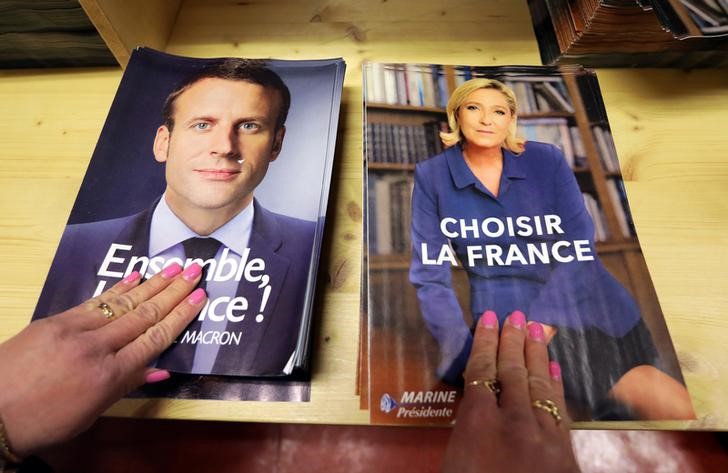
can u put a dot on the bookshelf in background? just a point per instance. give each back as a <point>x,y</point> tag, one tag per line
<point>405,111</point>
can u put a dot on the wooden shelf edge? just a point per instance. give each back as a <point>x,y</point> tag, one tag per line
<point>121,27</point>
<point>630,244</point>
<point>376,166</point>
<point>405,108</point>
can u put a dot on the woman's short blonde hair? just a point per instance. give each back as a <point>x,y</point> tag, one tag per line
<point>512,143</point>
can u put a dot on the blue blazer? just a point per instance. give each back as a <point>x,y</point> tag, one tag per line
<point>284,243</point>
<point>537,182</point>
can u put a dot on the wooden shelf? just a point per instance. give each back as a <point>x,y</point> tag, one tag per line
<point>386,262</point>
<point>126,25</point>
<point>681,232</point>
<point>555,114</point>
<point>391,167</point>
<point>604,247</point>
<point>407,108</point>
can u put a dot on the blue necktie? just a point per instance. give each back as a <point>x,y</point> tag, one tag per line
<point>181,355</point>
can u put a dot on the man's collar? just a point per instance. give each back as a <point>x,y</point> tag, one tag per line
<point>167,230</point>
<point>230,233</point>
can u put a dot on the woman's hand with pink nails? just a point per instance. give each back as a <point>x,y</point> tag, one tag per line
<point>506,432</point>
<point>62,372</point>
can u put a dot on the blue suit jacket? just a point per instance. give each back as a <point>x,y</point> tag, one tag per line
<point>284,243</point>
<point>535,183</point>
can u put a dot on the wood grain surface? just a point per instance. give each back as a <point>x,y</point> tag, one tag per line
<point>669,127</point>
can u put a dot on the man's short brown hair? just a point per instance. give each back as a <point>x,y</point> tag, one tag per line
<point>246,70</point>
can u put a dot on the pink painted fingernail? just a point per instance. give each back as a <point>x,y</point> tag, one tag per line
<point>192,272</point>
<point>517,319</point>
<point>197,296</point>
<point>535,331</point>
<point>555,371</point>
<point>157,376</point>
<point>171,271</point>
<point>489,319</point>
<point>133,277</point>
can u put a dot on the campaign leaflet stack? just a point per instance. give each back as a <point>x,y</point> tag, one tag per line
<point>556,242</point>
<point>632,33</point>
<point>226,148</point>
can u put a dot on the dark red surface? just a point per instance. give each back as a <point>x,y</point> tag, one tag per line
<point>139,446</point>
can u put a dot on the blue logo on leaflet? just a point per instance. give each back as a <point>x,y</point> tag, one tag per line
<point>387,404</point>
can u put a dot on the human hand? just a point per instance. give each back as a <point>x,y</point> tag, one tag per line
<point>60,373</point>
<point>506,432</point>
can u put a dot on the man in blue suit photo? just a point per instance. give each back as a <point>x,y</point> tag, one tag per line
<point>221,129</point>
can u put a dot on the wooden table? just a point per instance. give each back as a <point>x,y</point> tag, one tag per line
<point>669,127</point>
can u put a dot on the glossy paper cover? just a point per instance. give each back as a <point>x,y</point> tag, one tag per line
<point>554,239</point>
<point>236,150</point>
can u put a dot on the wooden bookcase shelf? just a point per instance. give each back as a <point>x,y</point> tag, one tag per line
<point>392,167</point>
<point>407,108</point>
<point>671,144</point>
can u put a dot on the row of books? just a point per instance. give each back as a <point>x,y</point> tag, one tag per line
<point>403,144</point>
<point>409,144</point>
<point>546,94</point>
<point>567,136</point>
<point>559,132</point>
<point>427,86</point>
<point>534,93</point>
<point>601,229</point>
<point>691,18</point>
<point>389,200</point>
<point>649,33</point>
<point>618,199</point>
<point>607,151</point>
<point>407,84</point>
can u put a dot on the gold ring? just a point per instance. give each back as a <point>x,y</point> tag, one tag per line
<point>106,310</point>
<point>493,385</point>
<point>549,406</point>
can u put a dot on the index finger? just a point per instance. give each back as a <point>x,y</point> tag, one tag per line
<point>157,338</point>
<point>512,364</point>
<point>482,362</point>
